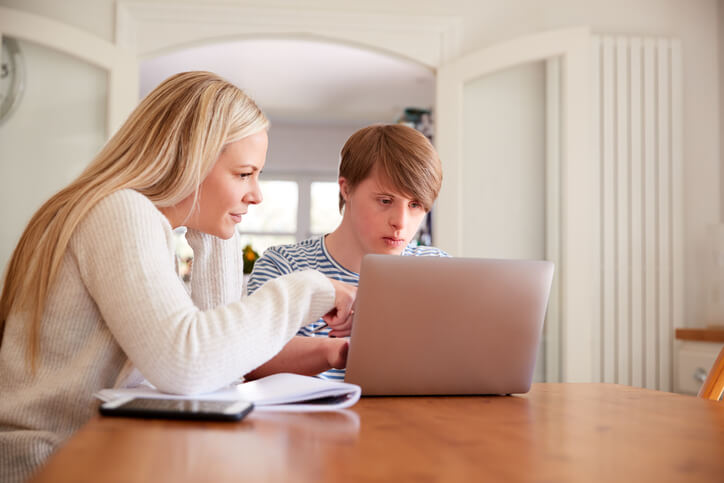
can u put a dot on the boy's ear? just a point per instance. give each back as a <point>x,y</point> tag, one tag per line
<point>343,187</point>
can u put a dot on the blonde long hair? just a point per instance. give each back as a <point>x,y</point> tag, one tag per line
<point>164,150</point>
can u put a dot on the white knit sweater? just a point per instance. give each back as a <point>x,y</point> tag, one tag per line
<point>116,299</point>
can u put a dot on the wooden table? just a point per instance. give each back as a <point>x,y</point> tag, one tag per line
<point>701,334</point>
<point>557,432</point>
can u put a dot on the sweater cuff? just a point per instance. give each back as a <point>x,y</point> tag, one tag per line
<point>323,302</point>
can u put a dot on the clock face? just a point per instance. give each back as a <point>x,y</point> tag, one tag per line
<point>12,77</point>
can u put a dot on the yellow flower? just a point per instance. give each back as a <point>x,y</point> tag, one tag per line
<point>250,256</point>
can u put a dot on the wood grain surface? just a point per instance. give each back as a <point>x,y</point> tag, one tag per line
<point>557,432</point>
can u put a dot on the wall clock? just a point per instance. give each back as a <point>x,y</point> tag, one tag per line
<point>12,77</point>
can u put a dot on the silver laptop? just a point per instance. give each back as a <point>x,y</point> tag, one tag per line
<point>446,326</point>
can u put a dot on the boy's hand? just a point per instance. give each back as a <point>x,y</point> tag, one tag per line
<point>337,352</point>
<point>339,319</point>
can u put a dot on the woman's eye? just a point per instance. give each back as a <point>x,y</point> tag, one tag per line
<point>244,175</point>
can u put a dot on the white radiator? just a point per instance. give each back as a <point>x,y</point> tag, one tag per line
<point>637,123</point>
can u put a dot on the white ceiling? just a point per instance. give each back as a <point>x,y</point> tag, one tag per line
<point>305,80</point>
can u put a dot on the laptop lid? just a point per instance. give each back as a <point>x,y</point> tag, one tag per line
<point>434,325</point>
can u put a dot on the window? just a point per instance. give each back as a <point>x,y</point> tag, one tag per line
<point>273,221</point>
<point>295,207</point>
<point>324,209</point>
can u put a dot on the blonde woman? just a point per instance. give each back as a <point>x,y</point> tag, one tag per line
<point>91,298</point>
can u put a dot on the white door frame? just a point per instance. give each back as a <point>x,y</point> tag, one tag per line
<point>571,194</point>
<point>150,30</point>
<point>121,65</point>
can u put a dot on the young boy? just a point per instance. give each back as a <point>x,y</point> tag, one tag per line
<point>389,177</point>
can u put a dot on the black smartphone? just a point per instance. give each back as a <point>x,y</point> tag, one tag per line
<point>140,407</point>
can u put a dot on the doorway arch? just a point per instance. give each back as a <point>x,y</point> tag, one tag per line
<point>149,30</point>
<point>306,78</point>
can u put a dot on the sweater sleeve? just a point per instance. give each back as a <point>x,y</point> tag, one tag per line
<point>217,269</point>
<point>125,256</point>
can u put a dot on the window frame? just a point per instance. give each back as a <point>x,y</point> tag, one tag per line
<point>304,180</point>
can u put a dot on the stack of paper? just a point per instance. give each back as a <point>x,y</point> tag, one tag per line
<point>279,392</point>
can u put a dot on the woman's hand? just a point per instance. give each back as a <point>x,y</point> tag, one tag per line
<point>339,319</point>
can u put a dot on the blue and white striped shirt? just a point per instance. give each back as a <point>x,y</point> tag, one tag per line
<point>312,254</point>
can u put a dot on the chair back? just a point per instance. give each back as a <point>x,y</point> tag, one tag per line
<point>714,384</point>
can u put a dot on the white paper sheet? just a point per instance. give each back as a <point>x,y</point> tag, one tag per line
<point>278,392</point>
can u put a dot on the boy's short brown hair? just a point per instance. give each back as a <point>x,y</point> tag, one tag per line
<point>403,156</point>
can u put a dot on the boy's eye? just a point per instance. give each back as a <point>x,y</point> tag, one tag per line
<point>385,201</point>
<point>415,205</point>
<point>244,175</point>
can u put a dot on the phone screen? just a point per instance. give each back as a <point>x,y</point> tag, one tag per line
<point>177,409</point>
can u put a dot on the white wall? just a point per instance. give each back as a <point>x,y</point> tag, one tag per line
<point>58,127</point>
<point>507,153</point>
<point>489,21</point>
<point>95,17</point>
<point>312,148</point>
<point>721,109</point>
